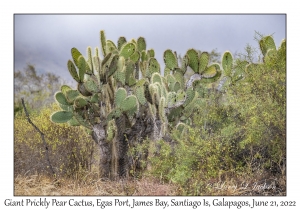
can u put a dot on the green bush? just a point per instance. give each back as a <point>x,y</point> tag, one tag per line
<point>71,151</point>
<point>238,131</point>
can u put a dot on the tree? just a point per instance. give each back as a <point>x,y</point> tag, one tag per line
<point>37,89</point>
<point>122,99</point>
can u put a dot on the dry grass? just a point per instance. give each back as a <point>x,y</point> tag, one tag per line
<point>37,185</point>
<point>91,185</point>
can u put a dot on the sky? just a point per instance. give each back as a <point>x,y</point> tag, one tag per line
<point>46,40</point>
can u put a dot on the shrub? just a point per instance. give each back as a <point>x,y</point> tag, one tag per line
<point>71,151</point>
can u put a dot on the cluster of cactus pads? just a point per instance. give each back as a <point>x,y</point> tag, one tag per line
<point>122,98</point>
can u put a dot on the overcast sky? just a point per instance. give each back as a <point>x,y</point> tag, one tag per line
<point>46,40</point>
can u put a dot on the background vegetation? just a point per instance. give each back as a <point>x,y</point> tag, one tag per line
<point>239,137</point>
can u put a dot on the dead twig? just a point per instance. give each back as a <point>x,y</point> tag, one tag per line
<point>42,136</point>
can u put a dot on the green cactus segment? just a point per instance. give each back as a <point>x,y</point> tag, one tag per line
<point>188,110</point>
<point>81,68</point>
<point>111,130</point>
<point>129,103</point>
<point>153,66</point>
<point>95,98</point>
<point>72,70</point>
<point>61,117</point>
<point>170,59</point>
<point>120,76</point>
<point>91,85</point>
<point>239,70</point>
<point>154,92</point>
<point>129,71</point>
<point>182,130</point>
<point>140,94</point>
<point>68,108</point>
<point>115,113</point>
<point>190,95</point>
<point>152,110</point>
<point>121,42</point>
<point>171,99</point>
<point>203,62</point>
<point>113,66</point>
<point>141,44</point>
<point>180,96</point>
<point>282,49</point>
<point>156,78</point>
<point>178,75</point>
<point>90,67</point>
<point>193,59</point>
<point>175,113</point>
<point>144,56</point>
<point>73,122</point>
<point>82,121</point>
<point>161,109</point>
<point>64,89</point>
<point>180,127</point>
<point>184,63</point>
<point>227,62</point>
<point>212,79</point>
<point>135,57</point>
<point>171,82</point>
<point>82,89</point>
<point>267,43</point>
<point>151,53</point>
<point>96,70</point>
<point>145,70</point>
<point>167,71</point>
<point>75,55</point>
<point>120,96</point>
<point>104,62</point>
<point>176,86</point>
<point>71,95</point>
<point>127,50</point>
<point>103,43</point>
<point>209,72</point>
<point>80,102</point>
<point>61,98</point>
<point>110,46</point>
<point>200,88</point>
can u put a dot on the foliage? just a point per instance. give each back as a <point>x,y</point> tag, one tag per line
<point>240,130</point>
<point>36,88</point>
<point>71,150</point>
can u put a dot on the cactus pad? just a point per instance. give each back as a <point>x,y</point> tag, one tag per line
<point>129,103</point>
<point>170,59</point>
<point>75,55</point>
<point>121,42</point>
<point>227,62</point>
<point>120,96</point>
<point>72,70</point>
<point>141,44</point>
<point>209,72</point>
<point>61,116</point>
<point>203,61</point>
<point>193,59</point>
<point>153,66</point>
<point>103,42</point>
<point>127,50</point>
<point>61,98</point>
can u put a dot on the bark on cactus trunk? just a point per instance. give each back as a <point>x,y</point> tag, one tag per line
<point>114,160</point>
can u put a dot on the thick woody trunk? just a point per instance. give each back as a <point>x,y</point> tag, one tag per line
<point>114,160</point>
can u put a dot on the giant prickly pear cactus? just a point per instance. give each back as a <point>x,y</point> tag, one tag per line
<point>122,98</point>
